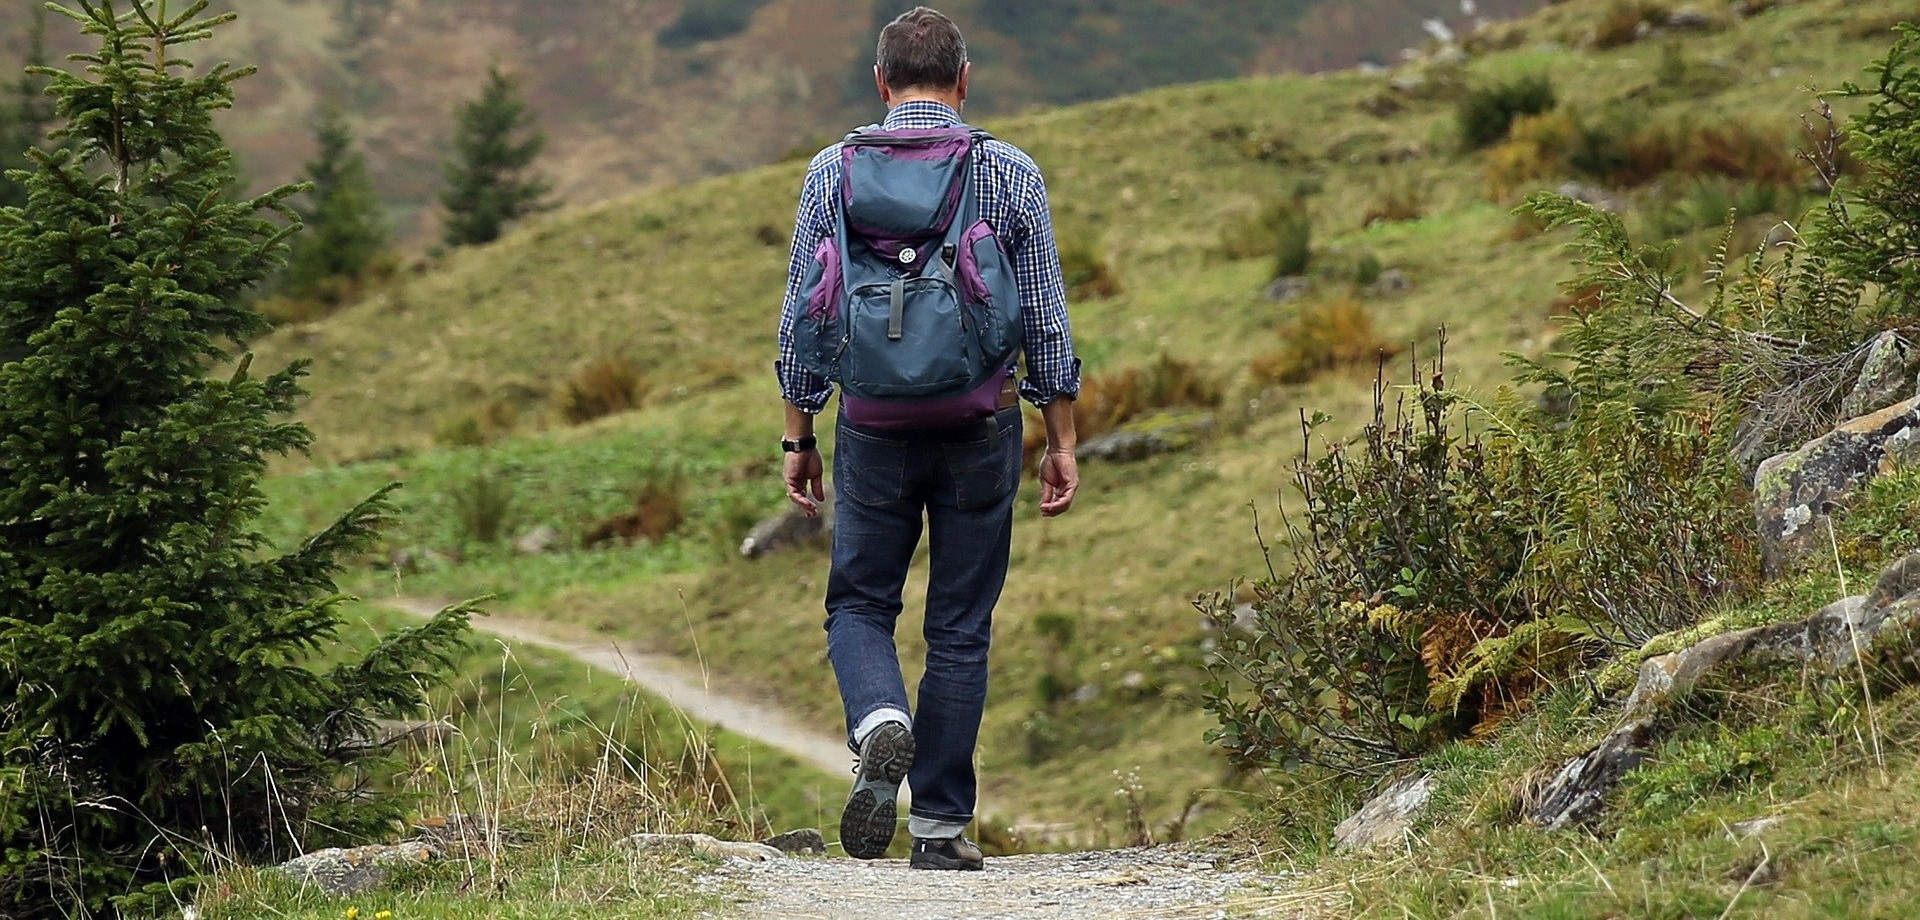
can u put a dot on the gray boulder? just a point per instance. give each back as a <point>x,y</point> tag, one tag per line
<point>537,542</point>
<point>347,872</point>
<point>804,842</point>
<point>1886,377</point>
<point>788,529</point>
<point>704,845</point>
<point>1291,287</point>
<point>1391,281</point>
<point>1794,493</point>
<point>1386,819</point>
<point>1157,433</point>
<point>1578,793</point>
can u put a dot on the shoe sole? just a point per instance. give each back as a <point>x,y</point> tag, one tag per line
<point>867,824</point>
<point>936,861</point>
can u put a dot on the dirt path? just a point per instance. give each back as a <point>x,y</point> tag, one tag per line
<point>1167,883</point>
<point>672,680</point>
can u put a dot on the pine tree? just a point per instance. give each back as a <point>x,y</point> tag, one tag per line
<point>27,117</point>
<point>490,182</point>
<point>158,693</point>
<point>344,226</point>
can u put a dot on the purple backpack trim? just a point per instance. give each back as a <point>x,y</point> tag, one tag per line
<point>951,412</point>
<point>824,302</point>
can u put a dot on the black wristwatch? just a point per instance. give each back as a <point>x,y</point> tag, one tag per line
<point>794,447</point>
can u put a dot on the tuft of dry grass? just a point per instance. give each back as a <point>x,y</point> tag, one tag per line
<point>600,389</point>
<point>659,508</point>
<point>1327,334</point>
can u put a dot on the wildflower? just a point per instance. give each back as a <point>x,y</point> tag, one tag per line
<point>383,915</point>
<point>353,913</point>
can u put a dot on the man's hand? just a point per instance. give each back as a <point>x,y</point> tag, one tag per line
<point>1059,480</point>
<point>803,473</point>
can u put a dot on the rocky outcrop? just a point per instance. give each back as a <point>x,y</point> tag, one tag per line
<point>1886,376</point>
<point>788,529</point>
<point>1388,817</point>
<point>347,872</point>
<point>704,845</point>
<point>1795,493</point>
<point>1832,639</point>
<point>1149,436</point>
<point>1578,792</point>
<point>803,842</point>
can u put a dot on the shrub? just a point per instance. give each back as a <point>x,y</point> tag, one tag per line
<point>1404,199</point>
<point>1326,335</point>
<point>1537,148</point>
<point>1281,229</point>
<point>1393,540</point>
<point>1623,21</point>
<point>1086,273</point>
<point>605,387</point>
<point>709,20</point>
<point>659,508</point>
<point>478,428</point>
<point>484,506</point>
<point>1485,115</point>
<point>1293,245</point>
<point>1440,579</point>
<point>1367,269</point>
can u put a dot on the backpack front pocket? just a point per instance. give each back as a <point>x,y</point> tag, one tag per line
<point>909,339</point>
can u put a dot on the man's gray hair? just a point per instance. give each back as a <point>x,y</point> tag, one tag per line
<point>922,48</point>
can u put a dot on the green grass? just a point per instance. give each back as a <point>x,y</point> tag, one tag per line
<point>550,880</point>
<point>680,281</point>
<point>533,721</point>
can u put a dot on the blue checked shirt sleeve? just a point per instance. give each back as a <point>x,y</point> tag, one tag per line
<point>812,223</point>
<point>1052,369</point>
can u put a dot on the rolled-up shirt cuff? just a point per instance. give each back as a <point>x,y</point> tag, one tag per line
<point>1041,389</point>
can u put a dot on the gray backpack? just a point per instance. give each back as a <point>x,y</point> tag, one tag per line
<point>910,306</point>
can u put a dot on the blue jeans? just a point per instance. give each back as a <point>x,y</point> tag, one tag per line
<point>963,481</point>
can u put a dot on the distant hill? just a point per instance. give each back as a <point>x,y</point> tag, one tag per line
<point>643,92</point>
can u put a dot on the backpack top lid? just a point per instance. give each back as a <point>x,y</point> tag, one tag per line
<point>900,188</point>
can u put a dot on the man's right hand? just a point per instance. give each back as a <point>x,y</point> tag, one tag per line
<point>804,474</point>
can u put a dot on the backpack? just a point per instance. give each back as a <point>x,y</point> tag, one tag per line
<point>910,306</point>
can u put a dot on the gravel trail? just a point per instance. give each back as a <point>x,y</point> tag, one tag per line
<point>672,680</point>
<point>1153,883</point>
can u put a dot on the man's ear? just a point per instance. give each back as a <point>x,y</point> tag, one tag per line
<point>966,70</point>
<point>880,83</point>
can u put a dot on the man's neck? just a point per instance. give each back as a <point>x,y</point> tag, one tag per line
<point>950,100</point>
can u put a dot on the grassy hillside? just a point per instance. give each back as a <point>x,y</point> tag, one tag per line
<point>654,92</point>
<point>1099,648</point>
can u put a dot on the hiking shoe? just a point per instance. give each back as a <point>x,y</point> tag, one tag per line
<point>866,827</point>
<point>947,853</point>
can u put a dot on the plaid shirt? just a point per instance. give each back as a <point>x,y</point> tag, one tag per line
<point>1013,198</point>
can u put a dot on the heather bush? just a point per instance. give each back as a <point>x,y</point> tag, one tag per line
<point>1327,334</point>
<point>1485,114</point>
<point>602,388</point>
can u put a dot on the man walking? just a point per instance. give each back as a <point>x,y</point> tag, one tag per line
<point>959,480</point>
